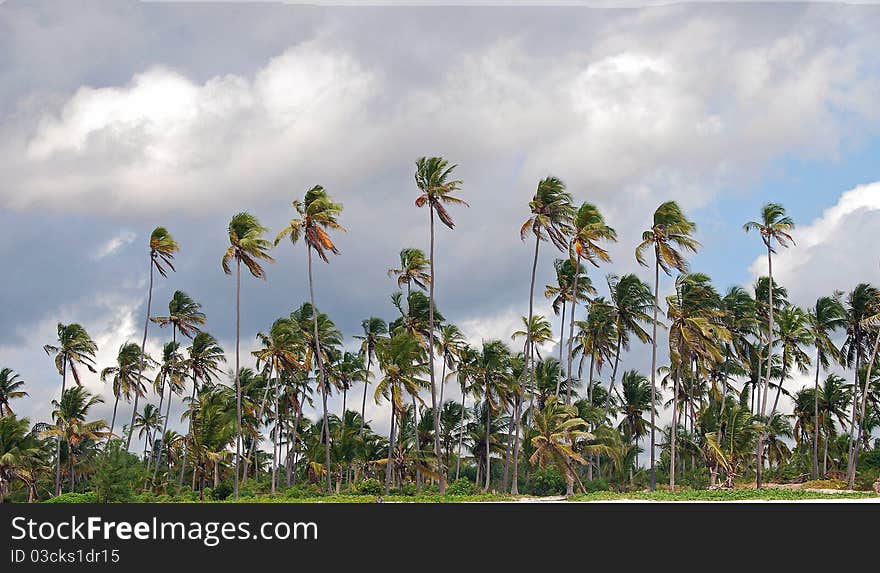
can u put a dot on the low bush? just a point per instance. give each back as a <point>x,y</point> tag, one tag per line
<point>87,497</point>
<point>461,486</point>
<point>369,486</point>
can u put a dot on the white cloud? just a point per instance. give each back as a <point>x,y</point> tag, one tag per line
<point>833,252</point>
<point>114,244</point>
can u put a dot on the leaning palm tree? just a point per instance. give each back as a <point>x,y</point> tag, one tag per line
<point>162,249</point>
<point>127,376</point>
<point>374,329</point>
<point>669,235</point>
<point>414,269</point>
<point>402,359</point>
<point>826,317</point>
<point>10,388</point>
<point>774,225</point>
<point>448,345</point>
<point>247,246</point>
<point>559,431</point>
<point>74,347</point>
<point>588,228</point>
<point>862,305</point>
<point>434,180</point>
<point>318,213</point>
<point>71,425</point>
<point>185,316</point>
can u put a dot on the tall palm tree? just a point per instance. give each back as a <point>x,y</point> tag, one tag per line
<point>559,430</point>
<point>696,335</point>
<point>414,269</point>
<point>162,249</point>
<point>10,388</point>
<point>436,187</point>
<point>126,376</point>
<point>636,398</point>
<point>794,335</point>
<point>551,217</point>
<point>862,304</point>
<point>148,420</point>
<point>374,329</point>
<point>185,316</point>
<point>670,238</point>
<point>71,425</point>
<point>588,228</point>
<point>774,225</point>
<point>171,375</point>
<point>203,361</point>
<point>596,337</point>
<point>248,246</point>
<point>318,214</point>
<point>562,292</point>
<point>448,345</point>
<point>402,360</point>
<point>74,348</point>
<point>490,371</point>
<point>632,302</point>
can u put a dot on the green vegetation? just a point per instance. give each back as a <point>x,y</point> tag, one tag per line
<point>579,423</point>
<point>768,494</point>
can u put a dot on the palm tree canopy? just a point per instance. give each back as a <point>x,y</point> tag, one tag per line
<point>318,213</point>
<point>247,245</point>
<point>588,229</point>
<point>162,249</point>
<point>434,181</point>
<point>74,347</point>
<point>184,313</point>
<point>670,233</point>
<point>774,225</point>
<point>552,213</point>
<point>414,269</point>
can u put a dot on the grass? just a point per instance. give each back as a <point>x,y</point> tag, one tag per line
<point>353,498</point>
<point>721,495</point>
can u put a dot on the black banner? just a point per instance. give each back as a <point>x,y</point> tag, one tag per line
<point>395,536</point>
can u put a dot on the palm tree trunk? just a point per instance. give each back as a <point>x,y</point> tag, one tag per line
<point>815,474</point>
<point>291,475</point>
<point>143,348</point>
<point>571,329</point>
<point>507,454</point>
<point>366,385</point>
<point>237,373</point>
<point>390,463</point>
<point>674,431</point>
<point>113,419</point>
<point>460,434</point>
<point>70,465</point>
<point>488,432</point>
<point>759,449</point>
<point>320,362</point>
<point>854,440</point>
<point>530,355</point>
<point>58,426</point>
<point>514,489</point>
<point>440,471</point>
<point>653,482</point>
<point>164,430</point>
<point>276,446</point>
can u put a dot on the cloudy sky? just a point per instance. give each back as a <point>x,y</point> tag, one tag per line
<point>116,117</point>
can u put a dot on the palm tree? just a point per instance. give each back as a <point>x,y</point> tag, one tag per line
<point>436,187</point>
<point>162,249</point>
<point>669,234</point>
<point>170,374</point>
<point>414,269</point>
<point>696,332</point>
<point>559,431</point>
<point>71,425</point>
<point>561,292</point>
<point>636,398</point>
<point>127,376</point>
<point>588,228</point>
<point>74,348</point>
<point>185,316</point>
<point>374,329</point>
<point>490,369</point>
<point>401,358</point>
<point>448,346</point>
<point>317,214</point>
<point>596,337</point>
<point>21,452</point>
<point>551,218</point>
<point>149,420</point>
<point>10,388</point>
<point>632,302</point>
<point>774,225</point>
<point>246,245</point>
<point>862,305</point>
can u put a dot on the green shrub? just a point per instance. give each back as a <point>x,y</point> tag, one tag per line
<point>596,485</point>
<point>869,460</point>
<point>87,497</point>
<point>407,489</point>
<point>370,486</point>
<point>119,474</point>
<point>461,486</point>
<point>547,481</point>
<point>222,491</point>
